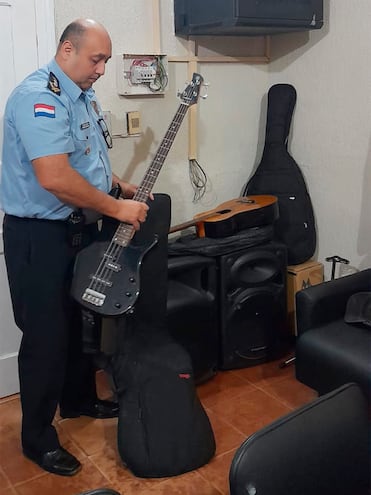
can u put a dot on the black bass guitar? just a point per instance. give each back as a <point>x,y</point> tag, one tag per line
<point>106,273</point>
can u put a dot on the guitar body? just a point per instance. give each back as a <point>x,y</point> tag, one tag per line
<point>120,287</point>
<point>238,214</point>
<point>235,215</point>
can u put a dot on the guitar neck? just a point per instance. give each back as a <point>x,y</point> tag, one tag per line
<point>182,226</point>
<point>190,223</point>
<point>125,231</point>
<point>153,171</point>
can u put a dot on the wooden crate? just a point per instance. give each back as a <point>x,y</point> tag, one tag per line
<point>300,277</point>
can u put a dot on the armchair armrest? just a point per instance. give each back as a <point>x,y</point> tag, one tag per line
<point>320,304</point>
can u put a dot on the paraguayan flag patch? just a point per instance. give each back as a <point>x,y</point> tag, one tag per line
<point>42,110</point>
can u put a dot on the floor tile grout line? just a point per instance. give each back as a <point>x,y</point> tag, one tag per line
<point>239,395</point>
<point>260,380</point>
<point>230,398</point>
<point>6,476</point>
<point>100,471</point>
<point>13,490</point>
<point>210,482</point>
<point>222,418</point>
<point>279,399</point>
<point>33,478</point>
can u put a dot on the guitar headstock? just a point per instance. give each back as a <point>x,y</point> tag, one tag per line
<point>191,93</point>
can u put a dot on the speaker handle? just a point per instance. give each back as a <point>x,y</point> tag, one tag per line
<point>256,349</point>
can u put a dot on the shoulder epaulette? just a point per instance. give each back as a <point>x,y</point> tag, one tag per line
<point>53,84</point>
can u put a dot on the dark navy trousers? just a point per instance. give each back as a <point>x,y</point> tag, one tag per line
<point>52,367</point>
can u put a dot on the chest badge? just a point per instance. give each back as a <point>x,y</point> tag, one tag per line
<point>95,106</point>
<point>53,84</point>
<point>87,151</point>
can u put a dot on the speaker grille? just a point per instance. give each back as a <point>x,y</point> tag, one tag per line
<point>252,303</point>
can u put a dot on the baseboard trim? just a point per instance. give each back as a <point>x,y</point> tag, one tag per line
<point>9,382</point>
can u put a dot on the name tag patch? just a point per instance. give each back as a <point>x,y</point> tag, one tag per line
<point>85,125</point>
<point>42,110</point>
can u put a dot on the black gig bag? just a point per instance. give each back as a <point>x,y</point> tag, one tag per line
<point>163,429</point>
<point>278,174</point>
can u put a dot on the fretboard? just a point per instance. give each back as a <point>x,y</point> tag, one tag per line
<point>124,231</point>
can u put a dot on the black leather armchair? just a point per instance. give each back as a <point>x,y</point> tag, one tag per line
<point>191,311</point>
<point>329,351</point>
<point>319,449</point>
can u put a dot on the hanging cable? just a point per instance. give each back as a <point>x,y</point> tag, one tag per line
<point>198,179</point>
<point>161,79</point>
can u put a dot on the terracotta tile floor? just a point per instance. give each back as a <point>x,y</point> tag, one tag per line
<point>237,402</point>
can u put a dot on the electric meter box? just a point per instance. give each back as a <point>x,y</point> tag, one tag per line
<point>141,74</point>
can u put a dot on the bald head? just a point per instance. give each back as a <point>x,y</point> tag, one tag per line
<point>76,31</point>
<point>83,50</point>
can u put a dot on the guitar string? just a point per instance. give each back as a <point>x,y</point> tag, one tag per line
<point>99,281</point>
<point>126,231</point>
<point>101,278</point>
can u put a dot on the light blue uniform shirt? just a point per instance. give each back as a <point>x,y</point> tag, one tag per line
<point>38,122</point>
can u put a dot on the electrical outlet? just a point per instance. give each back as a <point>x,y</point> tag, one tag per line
<point>133,122</point>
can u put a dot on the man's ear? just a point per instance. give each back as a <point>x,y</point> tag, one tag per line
<point>66,49</point>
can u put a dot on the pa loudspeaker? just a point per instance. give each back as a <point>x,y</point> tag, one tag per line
<point>252,301</point>
<point>191,311</point>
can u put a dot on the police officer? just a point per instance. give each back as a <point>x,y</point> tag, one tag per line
<point>55,160</point>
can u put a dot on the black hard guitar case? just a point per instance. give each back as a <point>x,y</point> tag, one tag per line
<point>279,174</point>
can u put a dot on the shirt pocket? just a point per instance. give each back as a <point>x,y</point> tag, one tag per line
<point>82,138</point>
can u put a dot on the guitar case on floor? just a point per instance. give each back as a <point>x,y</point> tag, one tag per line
<point>205,246</point>
<point>163,429</point>
<point>279,174</point>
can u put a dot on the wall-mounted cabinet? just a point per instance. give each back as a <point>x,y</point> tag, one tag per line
<point>245,17</point>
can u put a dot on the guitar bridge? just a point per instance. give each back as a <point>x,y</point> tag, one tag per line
<point>93,297</point>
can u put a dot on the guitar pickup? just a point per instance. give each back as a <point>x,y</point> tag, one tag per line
<point>110,263</point>
<point>93,297</point>
<point>102,281</point>
<point>115,267</point>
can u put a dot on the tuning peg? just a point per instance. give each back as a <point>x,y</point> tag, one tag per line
<point>205,95</point>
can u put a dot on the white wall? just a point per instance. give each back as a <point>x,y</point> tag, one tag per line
<point>331,138</point>
<point>330,131</point>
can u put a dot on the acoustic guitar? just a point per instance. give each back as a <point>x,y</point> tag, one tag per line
<point>233,216</point>
<point>106,273</point>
